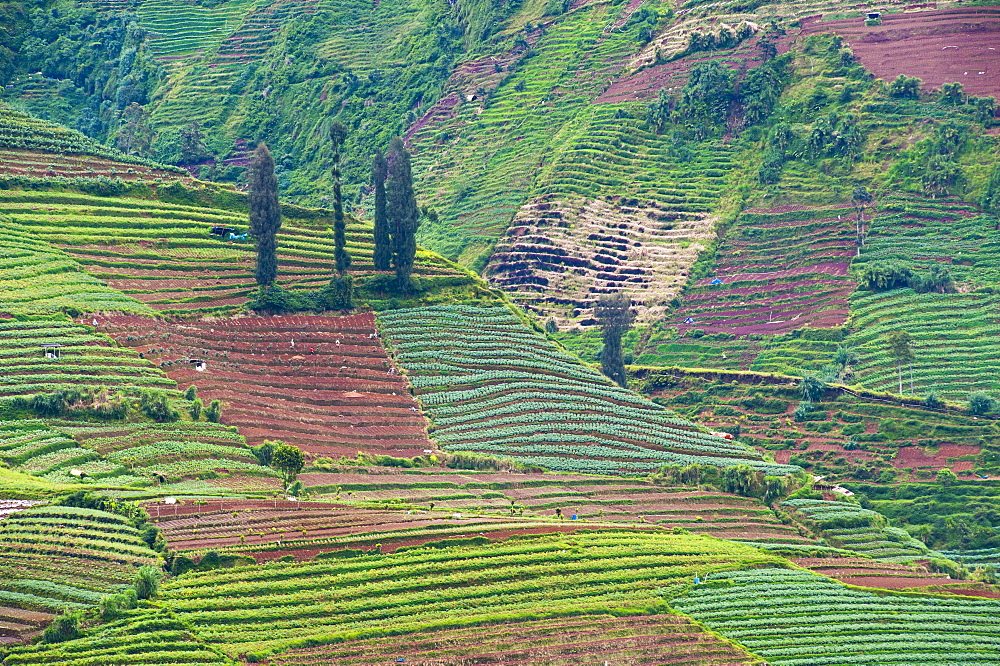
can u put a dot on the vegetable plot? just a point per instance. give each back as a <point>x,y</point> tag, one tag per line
<point>796,618</point>
<point>493,386</point>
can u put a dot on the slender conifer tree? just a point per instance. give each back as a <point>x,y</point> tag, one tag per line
<point>265,213</point>
<point>337,135</point>
<point>401,212</point>
<point>383,247</point>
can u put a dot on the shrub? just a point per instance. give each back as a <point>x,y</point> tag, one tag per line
<point>191,393</point>
<point>154,405</point>
<point>64,627</point>
<point>195,409</point>
<point>905,87</point>
<point>214,411</point>
<point>147,582</point>
<point>981,403</point>
<point>812,388</point>
<point>933,401</point>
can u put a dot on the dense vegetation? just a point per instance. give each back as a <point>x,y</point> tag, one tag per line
<point>638,330</point>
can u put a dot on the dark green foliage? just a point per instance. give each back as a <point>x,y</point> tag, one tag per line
<point>265,213</point>
<point>658,112</point>
<point>401,212</point>
<point>338,134</point>
<point>706,97</point>
<point>102,58</point>
<point>154,404</point>
<point>551,327</point>
<point>192,145</point>
<point>63,628</point>
<point>135,135</point>
<point>214,411</point>
<point>990,198</point>
<point>739,479</point>
<point>382,257</point>
<point>951,94</point>
<point>264,452</point>
<point>812,388</point>
<point>905,87</point>
<point>196,408</point>
<point>761,88</point>
<point>614,315</point>
<point>191,392</point>
<point>933,401</point>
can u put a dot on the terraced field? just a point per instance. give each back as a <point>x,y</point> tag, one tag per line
<point>86,359</point>
<point>491,386</point>
<point>480,183</point>
<point>883,575</point>
<point>177,29</point>
<point>165,256</point>
<point>589,498</point>
<point>952,332</point>
<point>143,638</point>
<point>31,148</point>
<point>776,271</point>
<point>60,558</point>
<point>938,47</point>
<point>798,618</point>
<point>585,573</point>
<point>325,384</point>
<point>861,530</point>
<point>37,278</point>
<point>844,437</point>
<point>650,639</point>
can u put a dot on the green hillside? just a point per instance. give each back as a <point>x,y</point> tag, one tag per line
<point>795,463</point>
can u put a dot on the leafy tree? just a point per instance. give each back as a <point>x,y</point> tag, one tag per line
<point>265,213</point>
<point>338,133</point>
<point>658,111</point>
<point>191,392</point>
<point>402,212</point>
<point>933,401</point>
<point>264,452</point>
<point>981,403</point>
<point>812,388</point>
<point>383,237</point>
<point>739,479</point>
<point>884,275</point>
<point>905,87</point>
<point>214,411</point>
<point>192,144</point>
<point>761,89</point>
<point>614,314</point>
<point>946,477</point>
<point>951,93</point>
<point>288,460</point>
<point>984,109</point>
<point>900,345</point>
<point>707,95</point>
<point>135,134</point>
<point>196,408</point>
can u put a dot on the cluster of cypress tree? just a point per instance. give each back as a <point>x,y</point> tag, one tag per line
<point>396,220</point>
<point>396,214</point>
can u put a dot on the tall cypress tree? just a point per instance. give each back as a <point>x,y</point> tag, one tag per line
<point>613,312</point>
<point>337,135</point>
<point>383,248</point>
<point>401,212</point>
<point>265,213</point>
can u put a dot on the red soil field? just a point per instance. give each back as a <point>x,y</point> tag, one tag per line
<point>938,47</point>
<point>635,641</point>
<point>913,456</point>
<point>324,384</point>
<point>885,575</point>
